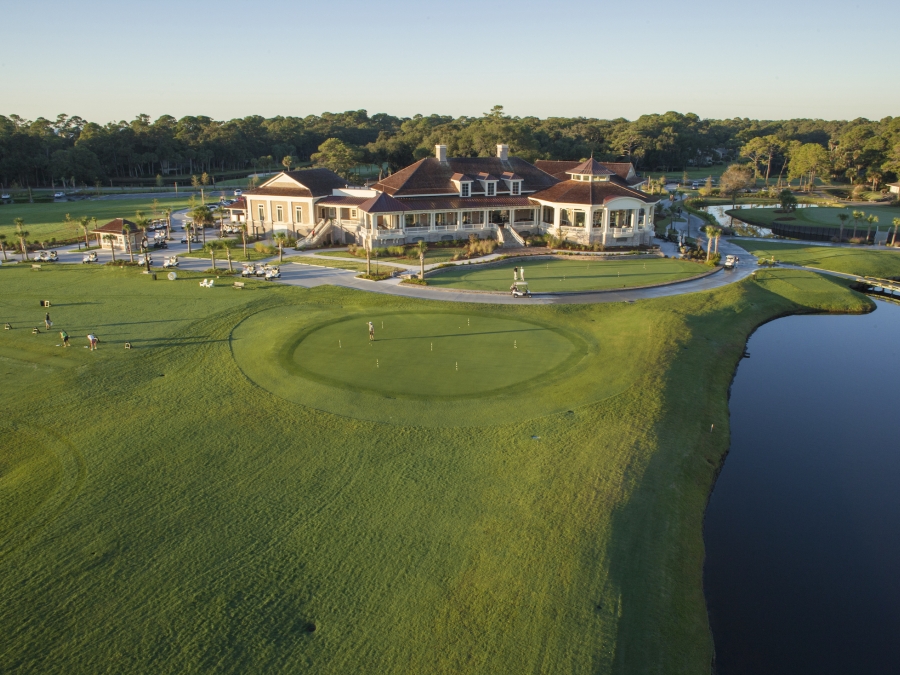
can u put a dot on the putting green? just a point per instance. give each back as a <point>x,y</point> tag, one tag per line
<point>579,274</point>
<point>430,355</point>
<point>461,367</point>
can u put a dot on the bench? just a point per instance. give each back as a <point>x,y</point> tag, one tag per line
<point>238,284</point>
<point>35,267</point>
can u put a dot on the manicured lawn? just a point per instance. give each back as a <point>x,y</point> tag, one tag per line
<point>551,276</point>
<point>45,221</point>
<point>234,495</point>
<point>432,256</point>
<point>821,216</point>
<point>882,264</point>
<point>237,251</point>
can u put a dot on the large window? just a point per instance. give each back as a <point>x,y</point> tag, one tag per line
<point>261,211</point>
<point>345,213</point>
<point>548,215</point>
<point>516,187</point>
<point>418,220</point>
<point>500,217</point>
<point>386,222</point>
<point>523,216</point>
<point>464,189</point>
<point>279,214</point>
<point>579,219</point>
<point>598,218</point>
<point>298,214</point>
<point>564,218</point>
<point>491,188</point>
<point>445,219</point>
<point>473,217</point>
<point>641,214</point>
<point>620,219</point>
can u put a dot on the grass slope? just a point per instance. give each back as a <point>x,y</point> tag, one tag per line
<point>584,274</point>
<point>432,256</point>
<point>45,221</point>
<point>822,216</point>
<point>865,262</point>
<point>164,513</point>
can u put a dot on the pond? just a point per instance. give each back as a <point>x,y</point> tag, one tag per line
<point>744,229</point>
<point>802,530</point>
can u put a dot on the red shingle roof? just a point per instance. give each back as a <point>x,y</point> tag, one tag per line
<point>431,177</point>
<point>383,203</point>
<point>465,203</point>
<point>595,193</point>
<point>116,226</point>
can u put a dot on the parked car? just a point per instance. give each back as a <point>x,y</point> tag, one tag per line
<point>59,195</point>
<point>695,185</point>
<point>5,196</point>
<point>238,193</point>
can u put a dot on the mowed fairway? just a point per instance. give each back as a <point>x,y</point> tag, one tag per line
<point>883,264</point>
<point>555,276</point>
<point>46,221</point>
<point>220,498</point>
<point>816,216</point>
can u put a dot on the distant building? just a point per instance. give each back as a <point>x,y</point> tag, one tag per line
<point>894,188</point>
<point>440,198</point>
<point>123,231</point>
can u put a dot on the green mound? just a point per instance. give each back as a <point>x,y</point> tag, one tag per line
<point>431,355</point>
<point>463,366</point>
<point>556,276</point>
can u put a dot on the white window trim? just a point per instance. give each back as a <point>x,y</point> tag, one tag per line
<point>516,187</point>
<point>490,189</point>
<point>465,189</point>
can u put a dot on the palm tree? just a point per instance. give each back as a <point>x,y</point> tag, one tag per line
<point>896,222</point>
<point>141,221</point>
<point>189,234</point>
<point>168,214</point>
<point>126,233</point>
<point>111,238</point>
<point>710,232</point>
<point>68,222</point>
<point>202,217</point>
<point>228,254</point>
<point>3,246</point>
<point>219,212</point>
<point>857,216</point>
<point>870,220</point>
<point>421,247</point>
<point>83,221</point>
<point>368,244</point>
<point>843,217</point>
<point>280,238</point>
<point>212,247</point>
<point>243,227</point>
<point>21,233</point>
<point>287,161</point>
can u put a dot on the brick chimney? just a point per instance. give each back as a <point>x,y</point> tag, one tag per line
<point>503,151</point>
<point>440,151</point>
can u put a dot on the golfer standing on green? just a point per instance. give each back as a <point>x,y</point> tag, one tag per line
<point>371,331</point>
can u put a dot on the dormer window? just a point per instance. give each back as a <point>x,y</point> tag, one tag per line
<point>491,189</point>
<point>515,187</point>
<point>464,189</point>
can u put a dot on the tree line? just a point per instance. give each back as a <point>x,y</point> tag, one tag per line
<point>71,151</point>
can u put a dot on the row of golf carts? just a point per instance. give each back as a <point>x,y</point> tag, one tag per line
<point>267,272</point>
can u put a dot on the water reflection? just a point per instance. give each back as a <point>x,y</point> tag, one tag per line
<point>803,528</point>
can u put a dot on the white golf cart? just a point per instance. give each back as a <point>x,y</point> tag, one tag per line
<point>731,261</point>
<point>89,257</point>
<point>519,288</point>
<point>272,273</point>
<point>170,262</point>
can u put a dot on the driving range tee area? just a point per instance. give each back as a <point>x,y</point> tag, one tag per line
<point>560,276</point>
<point>460,366</point>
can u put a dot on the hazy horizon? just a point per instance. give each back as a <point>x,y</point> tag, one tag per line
<point>112,61</point>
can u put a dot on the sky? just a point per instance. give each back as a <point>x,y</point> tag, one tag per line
<point>112,60</point>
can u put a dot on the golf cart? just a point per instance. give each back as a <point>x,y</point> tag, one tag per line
<point>170,262</point>
<point>89,257</point>
<point>47,256</point>
<point>272,273</point>
<point>144,258</point>
<point>519,289</point>
<point>249,270</point>
<point>731,262</point>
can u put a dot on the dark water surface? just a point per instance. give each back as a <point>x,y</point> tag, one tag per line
<point>803,528</point>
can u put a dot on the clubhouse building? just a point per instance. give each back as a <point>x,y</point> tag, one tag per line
<point>440,198</point>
